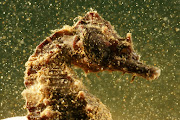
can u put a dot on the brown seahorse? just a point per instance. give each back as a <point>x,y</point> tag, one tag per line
<point>53,92</point>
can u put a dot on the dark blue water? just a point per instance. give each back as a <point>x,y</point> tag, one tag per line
<point>155,29</point>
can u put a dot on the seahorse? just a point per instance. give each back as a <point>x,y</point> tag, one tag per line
<point>54,92</point>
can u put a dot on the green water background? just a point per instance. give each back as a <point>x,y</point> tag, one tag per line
<point>155,28</point>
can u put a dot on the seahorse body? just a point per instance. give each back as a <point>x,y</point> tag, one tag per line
<point>53,92</point>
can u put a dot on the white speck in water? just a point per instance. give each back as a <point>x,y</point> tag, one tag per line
<point>133,17</point>
<point>165,18</point>
<point>29,3</point>
<point>176,29</point>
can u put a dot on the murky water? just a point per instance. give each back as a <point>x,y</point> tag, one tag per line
<point>155,27</point>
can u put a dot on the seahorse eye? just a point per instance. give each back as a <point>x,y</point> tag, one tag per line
<point>96,46</point>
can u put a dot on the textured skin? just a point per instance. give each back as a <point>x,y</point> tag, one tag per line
<point>53,92</point>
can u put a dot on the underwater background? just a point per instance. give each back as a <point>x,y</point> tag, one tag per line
<point>155,28</point>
